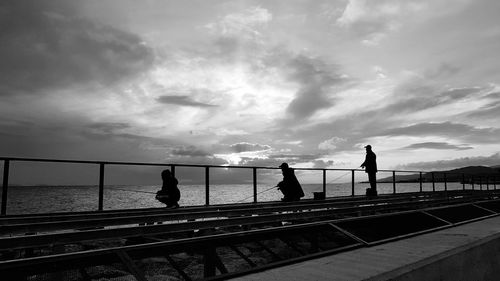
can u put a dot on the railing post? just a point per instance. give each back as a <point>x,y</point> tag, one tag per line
<point>420,180</point>
<point>172,170</point>
<point>487,183</point>
<point>472,182</point>
<point>433,182</point>
<point>352,182</point>
<point>495,182</point>
<point>394,182</point>
<point>324,182</point>
<point>480,184</point>
<point>5,186</point>
<point>445,183</point>
<point>101,187</point>
<point>207,186</point>
<point>254,185</point>
<point>463,181</point>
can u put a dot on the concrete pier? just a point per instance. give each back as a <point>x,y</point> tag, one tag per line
<point>466,252</point>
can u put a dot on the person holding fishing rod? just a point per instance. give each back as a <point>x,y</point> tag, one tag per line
<point>370,166</point>
<point>289,186</point>
<point>169,193</point>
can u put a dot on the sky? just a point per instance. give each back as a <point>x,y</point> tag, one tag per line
<point>252,82</point>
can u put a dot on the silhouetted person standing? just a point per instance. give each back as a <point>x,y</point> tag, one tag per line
<point>169,193</point>
<point>290,186</point>
<point>370,166</point>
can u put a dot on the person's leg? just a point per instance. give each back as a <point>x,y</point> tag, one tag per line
<point>372,177</point>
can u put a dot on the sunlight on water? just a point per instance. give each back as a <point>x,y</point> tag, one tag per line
<point>42,199</point>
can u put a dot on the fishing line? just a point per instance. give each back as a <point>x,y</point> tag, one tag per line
<point>255,194</point>
<point>339,177</point>
<point>152,192</point>
<point>132,190</point>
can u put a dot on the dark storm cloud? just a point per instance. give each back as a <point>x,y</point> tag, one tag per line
<point>366,28</point>
<point>437,145</point>
<point>493,160</point>
<point>315,79</point>
<point>494,96</point>
<point>445,129</point>
<point>188,150</point>
<point>194,156</point>
<point>109,127</point>
<point>461,132</point>
<point>412,98</point>
<point>77,139</point>
<point>458,94</point>
<point>182,100</point>
<point>444,70</point>
<point>490,110</point>
<point>47,45</point>
<point>245,146</point>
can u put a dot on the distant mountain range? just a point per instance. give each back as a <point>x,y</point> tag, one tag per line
<point>470,173</point>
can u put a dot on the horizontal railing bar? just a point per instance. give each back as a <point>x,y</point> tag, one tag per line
<point>202,166</point>
<point>153,164</point>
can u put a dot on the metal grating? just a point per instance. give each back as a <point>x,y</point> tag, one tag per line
<point>460,213</point>
<point>376,228</point>
<point>491,205</point>
<point>188,259</point>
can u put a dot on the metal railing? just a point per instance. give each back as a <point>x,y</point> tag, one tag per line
<point>435,177</point>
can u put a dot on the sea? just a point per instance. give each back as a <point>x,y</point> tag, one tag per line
<point>50,199</point>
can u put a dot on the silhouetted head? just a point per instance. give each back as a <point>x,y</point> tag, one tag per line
<point>283,166</point>
<point>165,174</point>
<point>368,148</point>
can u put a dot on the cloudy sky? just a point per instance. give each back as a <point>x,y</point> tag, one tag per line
<point>252,82</point>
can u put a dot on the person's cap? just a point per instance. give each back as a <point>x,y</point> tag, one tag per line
<point>283,165</point>
<point>368,146</point>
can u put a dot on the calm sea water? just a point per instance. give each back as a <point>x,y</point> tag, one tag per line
<point>43,199</point>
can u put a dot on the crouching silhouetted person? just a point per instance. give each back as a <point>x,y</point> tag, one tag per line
<point>169,193</point>
<point>370,166</point>
<point>289,186</point>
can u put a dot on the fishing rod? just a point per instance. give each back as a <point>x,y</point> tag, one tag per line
<point>131,190</point>
<point>255,194</point>
<point>343,175</point>
<point>152,192</point>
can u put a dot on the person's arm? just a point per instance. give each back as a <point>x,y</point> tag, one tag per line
<point>364,163</point>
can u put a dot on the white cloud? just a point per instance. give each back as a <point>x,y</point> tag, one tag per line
<point>331,144</point>
<point>374,20</point>
<point>246,24</point>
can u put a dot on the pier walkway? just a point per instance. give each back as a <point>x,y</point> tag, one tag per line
<point>465,252</point>
<point>221,242</point>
